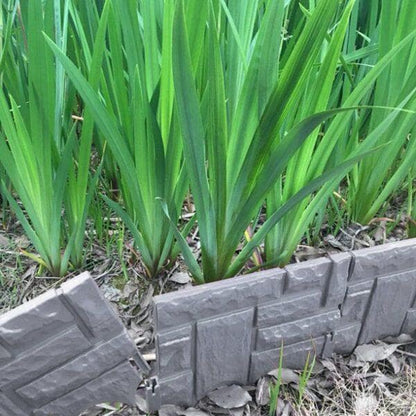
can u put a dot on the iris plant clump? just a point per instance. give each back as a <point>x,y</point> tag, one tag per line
<point>255,109</point>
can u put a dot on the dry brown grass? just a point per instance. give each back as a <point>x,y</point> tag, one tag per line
<point>342,389</point>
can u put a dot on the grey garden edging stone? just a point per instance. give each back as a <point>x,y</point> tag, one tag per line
<point>64,351</point>
<point>67,350</point>
<point>231,331</point>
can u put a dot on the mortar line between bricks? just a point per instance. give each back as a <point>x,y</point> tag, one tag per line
<point>254,333</point>
<point>413,302</point>
<point>411,306</point>
<point>332,326</point>
<point>35,346</point>
<point>344,300</point>
<point>351,266</point>
<point>176,375</point>
<point>367,309</point>
<point>56,398</point>
<point>403,322</point>
<point>311,339</point>
<point>6,346</point>
<point>221,284</point>
<point>319,312</point>
<point>16,385</point>
<point>285,281</point>
<point>381,276</point>
<point>193,359</point>
<point>328,279</point>
<point>17,400</point>
<point>84,328</point>
<point>290,297</point>
<point>350,271</point>
<point>223,315</point>
<point>281,299</point>
<point>173,329</point>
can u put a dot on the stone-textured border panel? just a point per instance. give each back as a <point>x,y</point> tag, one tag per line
<point>232,331</point>
<point>64,351</point>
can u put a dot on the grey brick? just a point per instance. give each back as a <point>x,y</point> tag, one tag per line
<point>86,299</point>
<point>409,324</point>
<point>384,260</point>
<point>355,305</point>
<point>171,335</point>
<point>391,298</point>
<point>8,408</point>
<point>177,390</point>
<point>288,309</point>
<point>315,299</point>
<point>223,351</point>
<point>174,351</point>
<point>361,286</point>
<point>179,308</point>
<point>306,276</point>
<point>70,359</point>
<point>346,338</point>
<point>294,356</point>
<point>77,372</point>
<point>45,316</point>
<point>118,384</point>
<point>296,331</point>
<point>56,351</point>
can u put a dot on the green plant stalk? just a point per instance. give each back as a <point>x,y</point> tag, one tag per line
<point>218,247</point>
<point>257,152</point>
<point>411,209</point>
<point>12,64</point>
<point>304,378</point>
<point>274,388</point>
<point>281,243</point>
<point>282,240</point>
<point>205,77</point>
<point>133,109</point>
<point>83,26</point>
<point>38,140</point>
<point>375,179</point>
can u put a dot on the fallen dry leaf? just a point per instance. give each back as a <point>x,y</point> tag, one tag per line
<point>180,278</point>
<point>287,375</point>
<point>230,397</point>
<point>263,391</point>
<point>170,410</point>
<point>374,352</point>
<point>238,411</point>
<point>191,411</point>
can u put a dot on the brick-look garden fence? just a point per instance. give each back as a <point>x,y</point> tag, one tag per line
<point>64,351</point>
<point>231,331</point>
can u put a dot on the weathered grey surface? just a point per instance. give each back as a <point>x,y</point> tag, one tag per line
<point>63,352</point>
<point>233,330</point>
<point>217,361</point>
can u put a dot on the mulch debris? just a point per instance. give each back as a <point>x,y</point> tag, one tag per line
<point>378,379</point>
